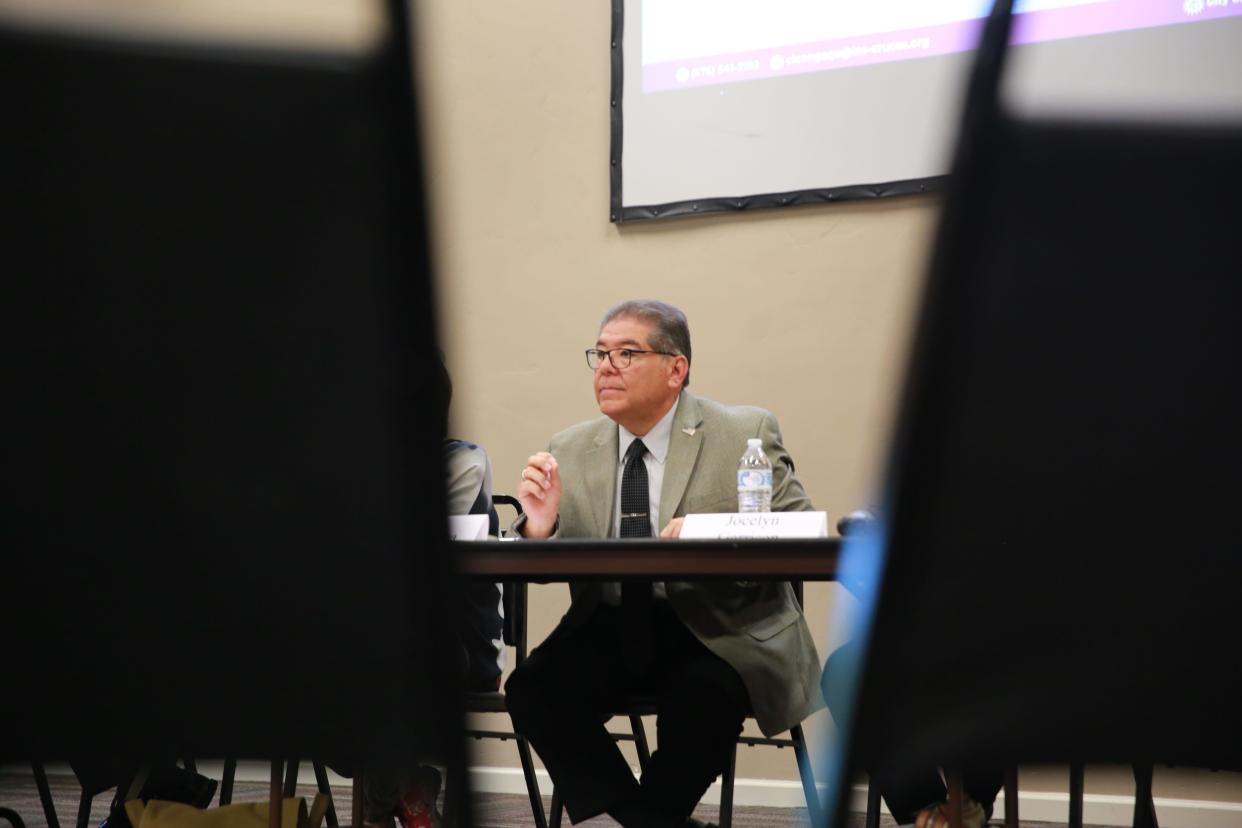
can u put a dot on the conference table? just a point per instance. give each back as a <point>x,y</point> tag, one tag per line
<point>648,559</point>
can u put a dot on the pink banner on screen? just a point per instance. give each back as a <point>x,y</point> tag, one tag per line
<point>1031,27</point>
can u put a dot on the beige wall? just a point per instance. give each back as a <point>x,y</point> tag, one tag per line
<point>802,311</point>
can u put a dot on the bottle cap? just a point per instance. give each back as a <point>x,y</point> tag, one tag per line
<point>754,442</point>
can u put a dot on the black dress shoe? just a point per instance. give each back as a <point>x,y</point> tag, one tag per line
<point>694,823</point>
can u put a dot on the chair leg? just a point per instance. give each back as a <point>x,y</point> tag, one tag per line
<point>640,741</point>
<point>814,808</point>
<point>275,800</point>
<point>45,795</point>
<point>321,779</point>
<point>554,820</point>
<point>1144,807</point>
<point>291,778</point>
<point>226,781</point>
<point>873,805</point>
<point>726,789</point>
<point>12,818</point>
<point>136,784</point>
<point>1011,797</point>
<point>532,782</point>
<point>356,815</point>
<point>454,783</point>
<point>953,809</point>
<point>1076,774</point>
<point>84,809</point>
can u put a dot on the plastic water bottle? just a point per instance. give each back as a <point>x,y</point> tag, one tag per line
<point>754,479</point>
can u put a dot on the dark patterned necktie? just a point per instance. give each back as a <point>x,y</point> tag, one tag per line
<point>636,604</point>
<point>635,496</point>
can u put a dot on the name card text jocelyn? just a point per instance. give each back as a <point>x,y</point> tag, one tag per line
<point>761,525</point>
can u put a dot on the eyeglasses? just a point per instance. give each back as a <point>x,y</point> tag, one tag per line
<point>619,357</point>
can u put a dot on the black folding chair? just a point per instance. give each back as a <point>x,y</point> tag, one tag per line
<point>513,597</point>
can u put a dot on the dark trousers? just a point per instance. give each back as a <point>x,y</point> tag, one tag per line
<point>907,798</point>
<point>907,795</point>
<point>560,696</point>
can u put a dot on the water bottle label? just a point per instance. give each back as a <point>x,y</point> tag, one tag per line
<point>754,479</point>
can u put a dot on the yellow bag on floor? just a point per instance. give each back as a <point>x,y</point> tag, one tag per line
<point>160,814</point>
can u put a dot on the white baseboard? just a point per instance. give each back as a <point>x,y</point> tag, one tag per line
<point>1105,809</point>
<point>1037,806</point>
<point>1098,809</point>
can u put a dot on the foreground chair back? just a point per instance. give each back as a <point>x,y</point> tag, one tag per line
<point>222,318</point>
<point>1059,554</point>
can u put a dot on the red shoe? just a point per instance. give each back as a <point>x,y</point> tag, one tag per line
<point>415,812</point>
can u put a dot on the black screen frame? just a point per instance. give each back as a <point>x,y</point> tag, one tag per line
<point>618,213</point>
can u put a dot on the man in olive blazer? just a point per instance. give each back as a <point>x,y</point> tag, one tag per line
<point>718,649</point>
<point>756,626</point>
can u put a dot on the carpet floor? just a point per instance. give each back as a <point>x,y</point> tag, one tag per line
<point>19,793</point>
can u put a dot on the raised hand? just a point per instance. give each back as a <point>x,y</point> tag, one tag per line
<point>540,495</point>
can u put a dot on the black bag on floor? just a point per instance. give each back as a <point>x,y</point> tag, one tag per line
<point>166,782</point>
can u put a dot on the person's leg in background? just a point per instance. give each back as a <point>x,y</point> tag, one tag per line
<point>982,784</point>
<point>919,800</point>
<point>907,797</point>
<point>480,634</point>
<point>914,798</point>
<point>380,791</point>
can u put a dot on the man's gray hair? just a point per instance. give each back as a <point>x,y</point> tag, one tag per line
<point>670,331</point>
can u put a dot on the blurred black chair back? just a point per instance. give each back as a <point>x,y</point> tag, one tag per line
<point>1060,532</point>
<point>218,289</point>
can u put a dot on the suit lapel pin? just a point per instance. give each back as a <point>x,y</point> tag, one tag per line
<point>689,431</point>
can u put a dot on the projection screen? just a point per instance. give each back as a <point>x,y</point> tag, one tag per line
<point>736,104</point>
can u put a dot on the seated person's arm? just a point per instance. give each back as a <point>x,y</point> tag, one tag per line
<point>540,496</point>
<point>787,492</point>
<point>469,479</point>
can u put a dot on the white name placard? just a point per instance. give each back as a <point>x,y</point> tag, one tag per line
<point>467,527</point>
<point>756,525</point>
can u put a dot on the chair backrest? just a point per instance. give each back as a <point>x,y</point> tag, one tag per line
<point>221,318</point>
<point>513,595</point>
<point>510,501</point>
<point>1061,548</point>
